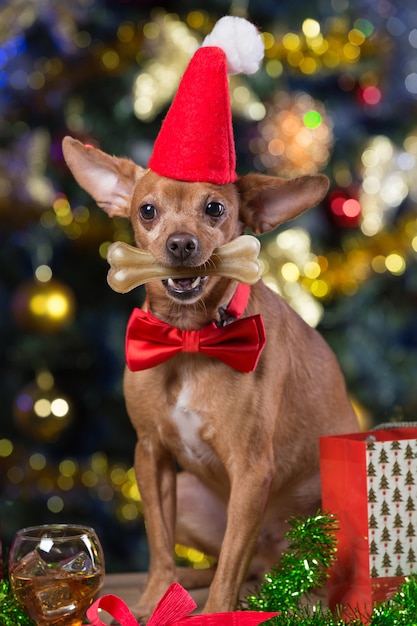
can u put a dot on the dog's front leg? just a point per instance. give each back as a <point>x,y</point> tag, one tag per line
<point>155,472</point>
<point>248,498</point>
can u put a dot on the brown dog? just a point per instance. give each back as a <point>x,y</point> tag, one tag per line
<point>247,442</point>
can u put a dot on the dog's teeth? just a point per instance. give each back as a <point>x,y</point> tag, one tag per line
<point>171,282</point>
<point>196,282</point>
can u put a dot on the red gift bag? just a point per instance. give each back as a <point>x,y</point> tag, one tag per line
<point>369,481</point>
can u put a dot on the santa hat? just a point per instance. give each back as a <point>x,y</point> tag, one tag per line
<point>196,142</point>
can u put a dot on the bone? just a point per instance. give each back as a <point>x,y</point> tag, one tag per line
<point>131,267</point>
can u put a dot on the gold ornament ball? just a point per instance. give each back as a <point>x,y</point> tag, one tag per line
<point>41,412</point>
<point>45,307</point>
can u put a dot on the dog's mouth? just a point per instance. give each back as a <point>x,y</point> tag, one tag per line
<point>185,288</point>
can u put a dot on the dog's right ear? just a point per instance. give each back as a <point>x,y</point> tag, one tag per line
<point>267,201</point>
<point>109,180</point>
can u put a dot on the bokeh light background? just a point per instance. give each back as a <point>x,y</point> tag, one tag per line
<point>337,93</point>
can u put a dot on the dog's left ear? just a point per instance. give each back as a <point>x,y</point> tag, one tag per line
<point>109,180</point>
<point>267,201</point>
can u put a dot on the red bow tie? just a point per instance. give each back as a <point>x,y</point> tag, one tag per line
<point>150,342</point>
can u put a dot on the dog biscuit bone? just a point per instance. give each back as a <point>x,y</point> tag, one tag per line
<point>131,267</point>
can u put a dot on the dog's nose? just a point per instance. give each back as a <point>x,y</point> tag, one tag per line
<point>182,245</point>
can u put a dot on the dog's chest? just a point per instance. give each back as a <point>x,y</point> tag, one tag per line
<point>190,427</point>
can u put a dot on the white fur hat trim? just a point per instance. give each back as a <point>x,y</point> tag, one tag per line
<point>241,42</point>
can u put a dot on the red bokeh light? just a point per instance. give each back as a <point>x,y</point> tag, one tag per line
<point>346,211</point>
<point>370,95</point>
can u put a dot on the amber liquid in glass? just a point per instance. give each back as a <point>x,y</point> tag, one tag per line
<point>59,599</point>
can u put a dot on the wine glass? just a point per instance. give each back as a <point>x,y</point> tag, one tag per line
<point>55,572</point>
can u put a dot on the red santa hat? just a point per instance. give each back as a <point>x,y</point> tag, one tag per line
<point>196,142</point>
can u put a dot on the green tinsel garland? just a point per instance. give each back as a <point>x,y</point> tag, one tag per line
<point>303,568</point>
<point>11,613</point>
<point>312,548</point>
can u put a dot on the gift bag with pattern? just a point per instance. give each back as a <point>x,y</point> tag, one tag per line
<point>369,481</point>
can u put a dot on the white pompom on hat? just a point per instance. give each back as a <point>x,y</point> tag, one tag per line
<point>196,142</point>
<point>241,43</point>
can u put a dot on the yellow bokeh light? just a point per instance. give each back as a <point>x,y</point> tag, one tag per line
<point>37,461</point>
<point>319,45</point>
<point>241,94</point>
<point>118,476</point>
<point>290,272</point>
<point>55,504</point>
<point>42,407</point>
<point>291,41</point>
<point>395,263</point>
<point>56,305</point>
<point>308,65</point>
<point>331,59</point>
<point>65,482</point>
<point>295,58</point>
<point>61,204</point>
<point>129,511</point>
<point>378,264</point>
<point>310,28</point>
<point>89,478</point>
<point>195,19</point>
<point>351,52</point>
<point>53,304</point>
<point>125,32</point>
<point>110,59</point>
<point>151,30</point>
<point>6,447</point>
<point>181,551</point>
<point>312,269</point>
<point>356,37</point>
<point>134,493</point>
<point>319,288</point>
<point>195,556</point>
<point>99,463</point>
<point>198,559</point>
<point>274,68</point>
<point>268,40</point>
<point>45,380</point>
<point>68,467</point>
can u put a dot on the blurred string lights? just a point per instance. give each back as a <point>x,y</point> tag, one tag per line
<point>308,280</point>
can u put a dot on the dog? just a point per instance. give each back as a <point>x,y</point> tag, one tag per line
<point>247,443</point>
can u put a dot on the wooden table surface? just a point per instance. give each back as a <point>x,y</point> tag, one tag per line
<point>128,587</point>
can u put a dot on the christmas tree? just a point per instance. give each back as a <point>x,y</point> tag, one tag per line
<point>337,93</point>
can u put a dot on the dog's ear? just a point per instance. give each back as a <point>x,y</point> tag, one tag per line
<point>109,180</point>
<point>267,201</point>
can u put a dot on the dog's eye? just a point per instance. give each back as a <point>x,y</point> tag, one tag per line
<point>214,209</point>
<point>147,212</point>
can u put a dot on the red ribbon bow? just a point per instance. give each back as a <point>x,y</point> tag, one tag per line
<point>172,610</point>
<point>150,341</point>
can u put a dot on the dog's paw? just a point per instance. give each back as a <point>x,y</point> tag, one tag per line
<point>142,613</point>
